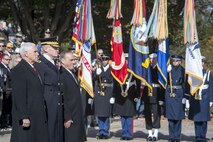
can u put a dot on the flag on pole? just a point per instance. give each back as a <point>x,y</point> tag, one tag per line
<point>86,80</point>
<point>84,36</point>
<point>163,59</point>
<point>119,65</point>
<point>193,61</point>
<point>138,61</point>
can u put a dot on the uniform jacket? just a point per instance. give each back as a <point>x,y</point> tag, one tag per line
<point>199,109</point>
<point>126,106</point>
<point>53,98</point>
<point>157,92</point>
<point>103,108</point>
<point>175,110</point>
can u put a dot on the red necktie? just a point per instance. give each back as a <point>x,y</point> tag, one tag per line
<point>35,70</point>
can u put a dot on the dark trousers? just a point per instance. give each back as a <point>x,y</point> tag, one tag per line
<point>200,130</point>
<point>175,129</point>
<point>6,117</point>
<point>150,109</point>
<point>127,126</point>
<point>103,124</point>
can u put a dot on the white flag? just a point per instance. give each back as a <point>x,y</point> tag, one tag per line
<point>193,64</point>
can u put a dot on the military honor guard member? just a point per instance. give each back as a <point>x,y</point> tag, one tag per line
<point>153,102</point>
<point>126,96</point>
<point>103,97</point>
<point>73,109</point>
<point>28,110</point>
<point>174,98</point>
<point>200,103</point>
<point>52,95</point>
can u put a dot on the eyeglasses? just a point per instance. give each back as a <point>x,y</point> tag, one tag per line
<point>2,45</point>
<point>7,59</point>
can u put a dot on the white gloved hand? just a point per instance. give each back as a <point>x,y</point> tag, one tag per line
<point>160,103</point>
<point>187,104</point>
<point>210,104</point>
<point>169,68</point>
<point>136,100</point>
<point>98,71</point>
<point>112,100</point>
<point>184,101</point>
<point>90,101</point>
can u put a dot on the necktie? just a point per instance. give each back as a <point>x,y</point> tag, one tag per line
<point>35,70</point>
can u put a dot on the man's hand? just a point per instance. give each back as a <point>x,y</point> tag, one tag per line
<point>26,123</point>
<point>68,123</point>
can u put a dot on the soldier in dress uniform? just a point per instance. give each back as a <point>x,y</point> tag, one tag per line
<point>126,97</point>
<point>200,103</point>
<point>52,95</point>
<point>103,97</point>
<point>174,98</point>
<point>153,102</point>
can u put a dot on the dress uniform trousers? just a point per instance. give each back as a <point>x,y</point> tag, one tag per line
<point>103,124</point>
<point>127,126</point>
<point>175,129</point>
<point>200,130</point>
<point>152,108</point>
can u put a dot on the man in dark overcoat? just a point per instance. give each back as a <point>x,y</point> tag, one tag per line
<point>5,84</point>
<point>200,104</point>
<point>73,109</point>
<point>103,94</point>
<point>126,96</point>
<point>53,98</point>
<point>28,110</point>
<point>174,98</point>
<point>153,100</point>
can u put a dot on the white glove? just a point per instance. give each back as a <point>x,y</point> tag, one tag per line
<point>98,71</point>
<point>210,104</point>
<point>187,104</point>
<point>169,68</point>
<point>90,101</point>
<point>160,103</point>
<point>184,101</point>
<point>136,100</point>
<point>112,100</point>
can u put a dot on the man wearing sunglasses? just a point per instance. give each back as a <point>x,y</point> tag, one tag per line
<point>5,82</point>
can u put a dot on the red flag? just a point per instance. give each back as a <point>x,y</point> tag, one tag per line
<point>119,64</point>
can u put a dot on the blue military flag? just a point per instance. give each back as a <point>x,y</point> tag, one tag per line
<point>138,61</point>
<point>163,58</point>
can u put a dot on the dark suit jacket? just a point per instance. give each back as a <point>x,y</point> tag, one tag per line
<point>28,102</point>
<point>72,107</point>
<point>53,99</point>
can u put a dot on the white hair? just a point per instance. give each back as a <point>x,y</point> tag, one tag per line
<point>26,46</point>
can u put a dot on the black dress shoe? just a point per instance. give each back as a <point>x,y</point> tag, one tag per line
<point>154,139</point>
<point>100,136</point>
<point>128,138</point>
<point>105,137</point>
<point>149,139</point>
<point>123,138</point>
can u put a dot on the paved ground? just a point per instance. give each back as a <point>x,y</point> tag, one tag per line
<point>139,132</point>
